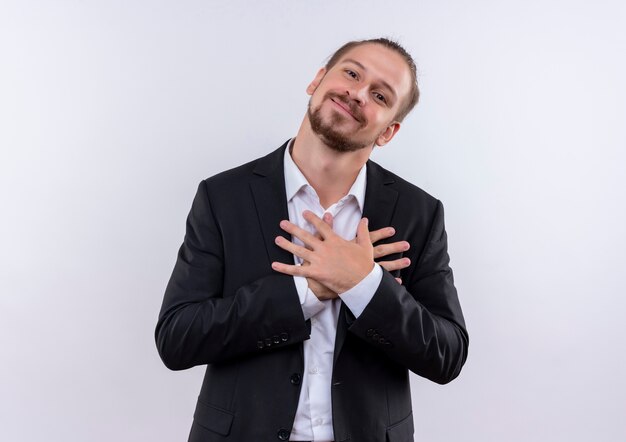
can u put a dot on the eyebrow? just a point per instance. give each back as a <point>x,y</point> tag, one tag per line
<point>363,68</point>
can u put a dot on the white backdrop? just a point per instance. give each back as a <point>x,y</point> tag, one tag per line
<point>111,112</point>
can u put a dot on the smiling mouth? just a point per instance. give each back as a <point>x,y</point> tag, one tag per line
<point>344,107</point>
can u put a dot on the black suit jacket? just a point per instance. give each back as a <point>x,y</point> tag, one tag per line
<point>225,307</point>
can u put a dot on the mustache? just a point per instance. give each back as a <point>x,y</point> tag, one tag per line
<point>355,110</point>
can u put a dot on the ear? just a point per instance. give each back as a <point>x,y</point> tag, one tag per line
<point>388,134</point>
<point>316,81</point>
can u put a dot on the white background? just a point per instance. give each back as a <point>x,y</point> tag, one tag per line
<point>111,112</point>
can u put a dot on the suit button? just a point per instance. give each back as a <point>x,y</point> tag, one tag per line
<point>370,332</point>
<point>375,336</point>
<point>268,342</point>
<point>382,341</point>
<point>295,379</point>
<point>283,434</point>
<point>276,339</point>
<point>260,344</point>
<point>284,337</point>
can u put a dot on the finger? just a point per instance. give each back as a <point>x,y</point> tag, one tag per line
<point>306,237</point>
<point>362,233</point>
<point>399,280</point>
<point>389,249</point>
<point>324,229</point>
<point>397,264</point>
<point>328,219</point>
<point>295,249</point>
<point>290,269</point>
<point>385,232</point>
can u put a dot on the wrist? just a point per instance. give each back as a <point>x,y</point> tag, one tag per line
<point>350,283</point>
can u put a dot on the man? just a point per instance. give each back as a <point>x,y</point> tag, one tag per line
<point>276,288</point>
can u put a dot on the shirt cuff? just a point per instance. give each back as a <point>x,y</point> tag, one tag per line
<point>357,298</point>
<point>311,306</point>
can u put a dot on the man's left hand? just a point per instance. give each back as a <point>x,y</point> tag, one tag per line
<point>335,262</point>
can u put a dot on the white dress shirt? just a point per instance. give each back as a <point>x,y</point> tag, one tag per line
<point>313,421</point>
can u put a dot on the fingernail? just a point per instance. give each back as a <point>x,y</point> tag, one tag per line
<point>366,221</point>
<point>392,230</point>
<point>407,246</point>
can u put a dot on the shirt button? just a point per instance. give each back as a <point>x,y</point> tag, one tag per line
<point>295,379</point>
<point>319,421</point>
<point>314,370</point>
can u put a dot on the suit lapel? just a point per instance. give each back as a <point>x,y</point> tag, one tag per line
<point>271,203</point>
<point>271,207</point>
<point>380,197</point>
<point>379,207</point>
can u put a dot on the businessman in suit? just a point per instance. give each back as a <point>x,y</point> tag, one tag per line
<point>311,280</point>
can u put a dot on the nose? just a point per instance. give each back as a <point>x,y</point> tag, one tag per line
<point>358,93</point>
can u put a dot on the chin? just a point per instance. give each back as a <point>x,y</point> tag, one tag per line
<point>326,128</point>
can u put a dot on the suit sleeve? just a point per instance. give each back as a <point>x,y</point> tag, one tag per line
<point>420,325</point>
<point>198,325</point>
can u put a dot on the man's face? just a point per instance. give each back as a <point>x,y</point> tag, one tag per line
<point>354,103</point>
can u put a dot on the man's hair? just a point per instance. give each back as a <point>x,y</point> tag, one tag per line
<point>414,93</point>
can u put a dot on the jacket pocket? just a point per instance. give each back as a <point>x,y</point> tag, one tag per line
<point>401,431</point>
<point>213,418</point>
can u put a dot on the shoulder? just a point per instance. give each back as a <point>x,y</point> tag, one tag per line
<point>406,190</point>
<point>242,176</point>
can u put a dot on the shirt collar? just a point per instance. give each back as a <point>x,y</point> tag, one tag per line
<point>295,180</point>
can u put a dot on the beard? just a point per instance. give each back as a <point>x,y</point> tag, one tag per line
<point>328,132</point>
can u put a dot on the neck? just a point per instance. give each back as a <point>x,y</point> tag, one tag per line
<point>331,173</point>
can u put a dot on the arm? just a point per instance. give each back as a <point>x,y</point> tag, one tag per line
<point>198,325</point>
<point>421,325</point>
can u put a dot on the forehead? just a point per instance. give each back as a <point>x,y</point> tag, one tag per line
<point>382,63</point>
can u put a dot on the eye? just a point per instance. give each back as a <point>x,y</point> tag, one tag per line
<point>380,97</point>
<point>351,73</point>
